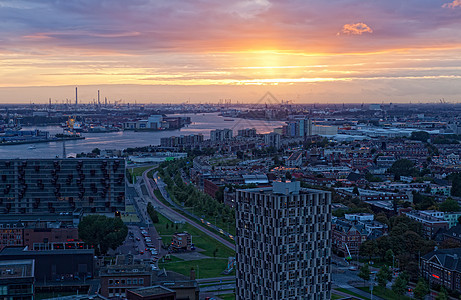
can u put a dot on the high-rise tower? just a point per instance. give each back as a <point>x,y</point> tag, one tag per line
<point>283,243</point>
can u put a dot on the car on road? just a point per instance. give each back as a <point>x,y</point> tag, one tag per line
<point>141,252</point>
<point>138,239</point>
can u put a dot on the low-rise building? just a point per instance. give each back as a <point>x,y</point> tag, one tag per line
<point>443,267</point>
<point>17,279</point>
<point>55,265</point>
<point>431,224</point>
<point>117,279</point>
<point>11,234</point>
<point>157,292</point>
<point>295,160</point>
<point>347,237</point>
<point>182,241</point>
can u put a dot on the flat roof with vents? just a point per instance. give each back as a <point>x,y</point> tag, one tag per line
<point>17,268</point>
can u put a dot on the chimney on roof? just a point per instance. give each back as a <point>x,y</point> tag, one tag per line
<point>192,274</point>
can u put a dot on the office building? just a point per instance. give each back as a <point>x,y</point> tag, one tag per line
<point>43,186</point>
<point>283,243</point>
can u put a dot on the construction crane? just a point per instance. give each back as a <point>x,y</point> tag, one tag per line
<point>348,258</point>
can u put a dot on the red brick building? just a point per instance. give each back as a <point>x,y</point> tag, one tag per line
<point>347,233</point>
<point>117,279</point>
<point>11,234</point>
<point>210,188</point>
<point>42,238</point>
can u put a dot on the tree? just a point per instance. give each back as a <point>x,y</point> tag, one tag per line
<point>382,218</point>
<point>102,233</point>
<point>455,184</point>
<point>152,213</point>
<point>400,284</point>
<point>449,205</point>
<point>288,175</point>
<point>389,257</point>
<point>356,190</point>
<point>402,167</point>
<point>422,136</point>
<point>364,273</point>
<point>442,295</point>
<point>383,276</point>
<point>421,289</point>
<point>369,248</point>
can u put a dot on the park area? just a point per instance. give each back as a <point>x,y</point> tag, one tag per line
<point>210,259</point>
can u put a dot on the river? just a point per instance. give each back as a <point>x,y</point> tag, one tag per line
<point>201,123</point>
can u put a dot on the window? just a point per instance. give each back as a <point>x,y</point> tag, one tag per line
<point>141,280</point>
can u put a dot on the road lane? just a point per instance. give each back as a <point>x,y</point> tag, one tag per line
<point>172,211</point>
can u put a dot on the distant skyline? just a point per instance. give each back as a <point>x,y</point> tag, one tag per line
<point>335,51</point>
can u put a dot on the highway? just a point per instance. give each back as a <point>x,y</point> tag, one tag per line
<point>171,211</point>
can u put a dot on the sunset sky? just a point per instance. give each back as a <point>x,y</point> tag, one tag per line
<point>206,50</point>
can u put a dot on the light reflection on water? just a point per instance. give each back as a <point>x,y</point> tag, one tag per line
<point>201,123</point>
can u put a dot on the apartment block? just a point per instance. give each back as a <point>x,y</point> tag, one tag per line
<point>283,243</point>
<point>43,186</point>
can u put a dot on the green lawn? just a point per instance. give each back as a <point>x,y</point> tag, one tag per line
<point>204,268</point>
<point>336,296</point>
<point>200,239</point>
<point>138,171</point>
<point>384,293</point>
<point>227,296</point>
<point>350,293</point>
<point>160,197</point>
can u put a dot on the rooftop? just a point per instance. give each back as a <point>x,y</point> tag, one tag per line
<point>17,268</point>
<point>152,291</point>
<point>22,251</point>
<point>284,188</point>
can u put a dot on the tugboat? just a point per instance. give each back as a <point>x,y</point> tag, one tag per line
<point>32,147</point>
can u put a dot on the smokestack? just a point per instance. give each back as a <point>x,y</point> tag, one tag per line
<point>76,97</point>
<point>99,102</point>
<point>105,101</point>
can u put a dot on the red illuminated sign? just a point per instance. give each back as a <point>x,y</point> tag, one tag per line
<point>433,275</point>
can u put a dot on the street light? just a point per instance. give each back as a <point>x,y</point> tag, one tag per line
<point>372,284</point>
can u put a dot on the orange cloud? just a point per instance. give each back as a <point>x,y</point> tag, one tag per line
<point>454,4</point>
<point>357,28</point>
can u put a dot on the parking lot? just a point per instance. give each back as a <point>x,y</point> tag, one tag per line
<point>142,243</point>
